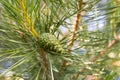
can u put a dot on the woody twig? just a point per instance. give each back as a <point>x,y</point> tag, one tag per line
<point>78,18</point>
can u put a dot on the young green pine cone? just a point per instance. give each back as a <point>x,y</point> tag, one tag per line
<point>50,43</point>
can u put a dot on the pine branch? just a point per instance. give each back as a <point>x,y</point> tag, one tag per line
<point>30,28</point>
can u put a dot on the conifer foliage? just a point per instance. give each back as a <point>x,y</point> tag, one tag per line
<point>59,39</point>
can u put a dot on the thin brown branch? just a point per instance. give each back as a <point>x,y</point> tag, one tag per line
<point>76,25</point>
<point>104,51</point>
<point>74,32</point>
<point>45,62</point>
<point>44,58</point>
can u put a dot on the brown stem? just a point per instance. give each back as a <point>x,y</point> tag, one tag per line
<point>44,58</point>
<point>104,51</point>
<point>45,62</point>
<point>74,32</point>
<point>76,25</point>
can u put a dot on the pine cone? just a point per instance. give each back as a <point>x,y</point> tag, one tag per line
<point>50,43</point>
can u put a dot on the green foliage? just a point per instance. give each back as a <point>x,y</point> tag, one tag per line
<point>31,29</point>
<point>111,76</point>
